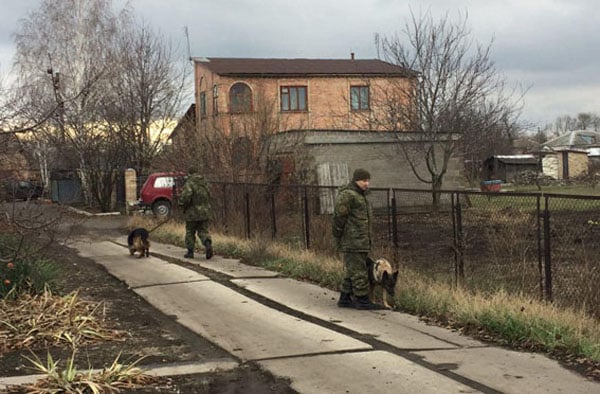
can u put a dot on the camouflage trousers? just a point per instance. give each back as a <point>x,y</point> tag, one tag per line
<point>193,227</point>
<point>356,279</point>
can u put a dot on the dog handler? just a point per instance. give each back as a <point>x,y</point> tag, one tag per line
<point>195,201</point>
<point>352,233</point>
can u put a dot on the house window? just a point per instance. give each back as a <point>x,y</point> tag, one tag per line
<point>359,98</point>
<point>293,98</point>
<point>240,98</point>
<point>215,100</point>
<point>203,104</point>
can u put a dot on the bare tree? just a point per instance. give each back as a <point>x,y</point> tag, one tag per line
<point>582,121</point>
<point>65,54</point>
<point>113,87</point>
<point>459,95</point>
<point>243,145</point>
<point>147,92</point>
<point>564,123</point>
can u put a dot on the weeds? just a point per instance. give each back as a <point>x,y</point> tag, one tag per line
<point>69,380</point>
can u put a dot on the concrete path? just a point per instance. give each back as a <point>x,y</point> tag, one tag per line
<point>299,332</point>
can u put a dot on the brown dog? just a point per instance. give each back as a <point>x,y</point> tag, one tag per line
<point>381,273</point>
<point>137,240</point>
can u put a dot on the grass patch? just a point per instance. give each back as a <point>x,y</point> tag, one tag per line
<point>502,317</point>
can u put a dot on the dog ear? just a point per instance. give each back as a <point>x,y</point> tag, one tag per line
<point>395,276</point>
<point>384,276</point>
<point>370,262</point>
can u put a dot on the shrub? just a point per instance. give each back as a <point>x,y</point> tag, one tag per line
<point>27,274</point>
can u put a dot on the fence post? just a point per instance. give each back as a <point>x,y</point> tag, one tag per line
<point>547,252</point>
<point>394,220</point>
<point>225,224</point>
<point>539,245</point>
<point>273,217</point>
<point>306,219</point>
<point>174,199</point>
<point>247,213</point>
<point>459,268</point>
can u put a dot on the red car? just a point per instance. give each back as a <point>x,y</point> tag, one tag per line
<point>157,192</point>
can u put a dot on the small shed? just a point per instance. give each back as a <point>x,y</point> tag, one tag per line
<point>564,163</point>
<point>507,167</point>
<point>570,155</point>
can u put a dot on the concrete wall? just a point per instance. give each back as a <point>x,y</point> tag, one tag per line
<point>378,152</point>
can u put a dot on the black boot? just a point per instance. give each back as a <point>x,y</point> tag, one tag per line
<point>189,254</point>
<point>365,303</point>
<point>345,301</point>
<point>208,248</point>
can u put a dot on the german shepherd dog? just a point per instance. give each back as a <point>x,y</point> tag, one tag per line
<point>381,273</point>
<point>137,240</point>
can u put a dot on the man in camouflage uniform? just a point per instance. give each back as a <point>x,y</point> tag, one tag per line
<point>195,201</point>
<point>352,233</point>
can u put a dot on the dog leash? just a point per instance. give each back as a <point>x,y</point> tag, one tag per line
<point>159,224</point>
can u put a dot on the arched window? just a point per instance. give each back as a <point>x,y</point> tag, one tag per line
<point>240,98</point>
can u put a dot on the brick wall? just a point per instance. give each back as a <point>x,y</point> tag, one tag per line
<point>328,100</point>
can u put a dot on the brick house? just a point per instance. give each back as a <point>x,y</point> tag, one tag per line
<point>332,108</point>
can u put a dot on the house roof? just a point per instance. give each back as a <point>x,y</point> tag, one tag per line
<point>188,118</point>
<point>296,67</point>
<point>515,159</point>
<point>575,139</point>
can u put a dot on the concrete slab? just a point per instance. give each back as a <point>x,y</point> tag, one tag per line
<point>398,329</point>
<point>364,372</point>
<point>207,366</point>
<point>242,326</point>
<point>235,269</point>
<point>512,372</point>
<point>230,267</point>
<point>149,271</point>
<point>136,272</point>
<point>97,249</point>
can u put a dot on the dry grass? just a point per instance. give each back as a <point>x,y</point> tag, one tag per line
<point>47,320</point>
<point>40,321</point>
<point>512,319</point>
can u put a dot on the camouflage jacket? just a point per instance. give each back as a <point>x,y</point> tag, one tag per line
<point>195,199</point>
<point>351,225</point>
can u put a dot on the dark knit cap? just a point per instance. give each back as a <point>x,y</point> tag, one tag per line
<point>360,174</point>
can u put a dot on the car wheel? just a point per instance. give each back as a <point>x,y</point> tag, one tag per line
<point>161,208</point>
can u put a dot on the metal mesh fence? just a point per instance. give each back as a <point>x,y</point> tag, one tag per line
<point>500,242</point>
<point>573,255</point>
<point>543,246</point>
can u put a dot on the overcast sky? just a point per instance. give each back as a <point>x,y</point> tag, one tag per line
<point>550,46</point>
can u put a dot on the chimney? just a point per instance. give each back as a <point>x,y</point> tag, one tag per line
<point>351,55</point>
